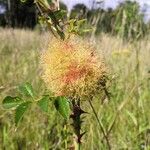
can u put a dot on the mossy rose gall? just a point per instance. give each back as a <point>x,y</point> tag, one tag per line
<point>72,68</point>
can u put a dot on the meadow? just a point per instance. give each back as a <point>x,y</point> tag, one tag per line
<point>125,116</point>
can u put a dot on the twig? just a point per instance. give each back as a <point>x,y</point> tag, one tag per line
<point>76,117</point>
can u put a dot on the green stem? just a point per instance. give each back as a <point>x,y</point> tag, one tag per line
<point>100,125</point>
<point>65,140</point>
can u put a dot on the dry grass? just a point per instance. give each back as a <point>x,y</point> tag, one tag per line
<point>125,116</point>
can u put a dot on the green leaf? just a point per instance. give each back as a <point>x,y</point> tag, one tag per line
<point>20,110</point>
<point>62,106</point>
<point>59,14</point>
<point>72,23</point>
<point>10,102</point>
<point>81,22</point>
<point>43,103</point>
<point>26,89</point>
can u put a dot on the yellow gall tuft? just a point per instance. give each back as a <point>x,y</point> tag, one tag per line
<point>72,68</point>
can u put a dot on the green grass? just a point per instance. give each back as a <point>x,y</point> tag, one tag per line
<point>126,114</point>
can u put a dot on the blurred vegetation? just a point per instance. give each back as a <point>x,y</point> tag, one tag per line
<point>126,20</point>
<point>125,116</point>
<point>18,14</point>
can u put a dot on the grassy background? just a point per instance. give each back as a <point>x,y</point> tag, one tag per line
<point>126,115</point>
